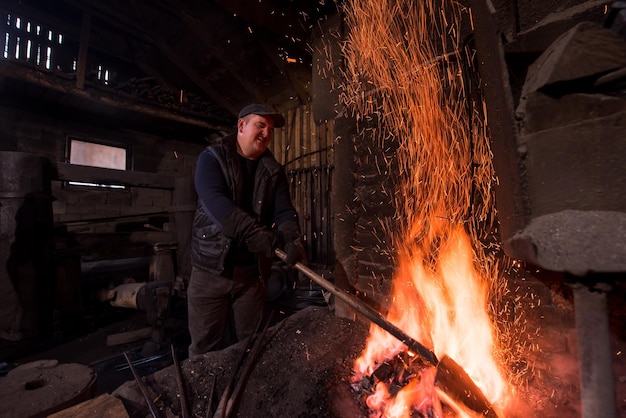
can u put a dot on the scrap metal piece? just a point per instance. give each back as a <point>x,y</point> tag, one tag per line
<point>221,407</point>
<point>245,373</point>
<point>181,388</point>
<point>209,414</point>
<point>142,387</point>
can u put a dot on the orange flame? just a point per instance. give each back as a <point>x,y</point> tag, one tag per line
<point>442,283</point>
<point>446,309</point>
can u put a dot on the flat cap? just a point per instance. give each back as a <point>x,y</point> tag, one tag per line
<point>262,110</point>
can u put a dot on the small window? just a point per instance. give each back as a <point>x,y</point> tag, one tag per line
<point>93,154</point>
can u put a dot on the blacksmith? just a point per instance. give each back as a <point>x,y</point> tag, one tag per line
<point>244,212</point>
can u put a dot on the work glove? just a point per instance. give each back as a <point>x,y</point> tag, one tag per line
<point>261,240</point>
<point>239,226</point>
<point>292,241</point>
<point>295,252</point>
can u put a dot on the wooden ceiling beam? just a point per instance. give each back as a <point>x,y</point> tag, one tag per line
<point>16,71</point>
<point>200,81</point>
<point>83,48</point>
<point>209,41</point>
<point>277,19</point>
<point>116,21</point>
<point>122,22</point>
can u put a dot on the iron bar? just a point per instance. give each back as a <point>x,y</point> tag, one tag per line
<point>139,362</point>
<point>221,407</point>
<point>142,387</point>
<point>181,389</point>
<point>245,373</point>
<point>210,401</point>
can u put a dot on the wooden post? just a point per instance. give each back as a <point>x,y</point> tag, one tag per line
<point>184,201</point>
<point>82,50</point>
<point>500,115</point>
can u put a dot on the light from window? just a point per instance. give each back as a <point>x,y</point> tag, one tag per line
<point>97,155</point>
<point>48,57</point>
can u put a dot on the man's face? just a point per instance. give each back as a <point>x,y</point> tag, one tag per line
<point>254,133</point>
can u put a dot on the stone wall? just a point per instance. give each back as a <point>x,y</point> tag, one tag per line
<point>46,136</point>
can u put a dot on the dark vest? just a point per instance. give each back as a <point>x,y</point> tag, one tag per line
<point>210,250</point>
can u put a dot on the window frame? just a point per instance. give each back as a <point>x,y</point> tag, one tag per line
<point>113,144</point>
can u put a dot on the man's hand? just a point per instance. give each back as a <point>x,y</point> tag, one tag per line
<point>261,240</point>
<point>241,227</point>
<point>295,252</point>
<point>291,238</point>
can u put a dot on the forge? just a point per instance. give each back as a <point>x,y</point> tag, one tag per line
<point>305,369</point>
<point>529,302</point>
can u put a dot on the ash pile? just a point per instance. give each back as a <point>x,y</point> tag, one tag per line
<point>303,368</point>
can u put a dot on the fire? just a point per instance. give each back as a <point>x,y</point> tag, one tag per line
<point>447,309</point>
<point>416,70</point>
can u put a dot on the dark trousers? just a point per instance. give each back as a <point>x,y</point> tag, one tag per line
<point>213,300</point>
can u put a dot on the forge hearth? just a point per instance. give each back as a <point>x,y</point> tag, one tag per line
<point>305,367</point>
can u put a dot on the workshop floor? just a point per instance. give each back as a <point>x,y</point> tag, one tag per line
<point>90,347</point>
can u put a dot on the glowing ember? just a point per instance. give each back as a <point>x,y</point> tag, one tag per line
<point>409,54</point>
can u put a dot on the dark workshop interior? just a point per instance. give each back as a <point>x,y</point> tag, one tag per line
<point>478,139</point>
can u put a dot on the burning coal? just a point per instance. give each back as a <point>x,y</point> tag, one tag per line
<point>406,67</point>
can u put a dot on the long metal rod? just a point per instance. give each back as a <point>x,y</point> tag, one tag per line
<point>139,362</point>
<point>245,373</point>
<point>221,406</point>
<point>366,311</point>
<point>209,406</point>
<point>181,388</point>
<point>142,387</point>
